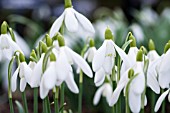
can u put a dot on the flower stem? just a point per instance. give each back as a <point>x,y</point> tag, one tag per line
<point>48,105</point>
<point>11,105</point>
<point>35,100</point>
<point>81,92</point>
<point>56,106</point>
<point>163,103</point>
<point>62,97</point>
<point>24,99</point>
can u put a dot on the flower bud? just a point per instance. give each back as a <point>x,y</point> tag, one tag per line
<point>21,57</point>
<point>139,56</point>
<point>143,49</point>
<point>151,45</point>
<point>91,42</point>
<point>131,37</point>
<point>108,34</point>
<point>130,73</point>
<point>49,41</point>
<point>43,47</point>
<point>67,4</point>
<point>166,48</point>
<point>4,26</point>
<point>52,57</point>
<point>33,55</point>
<point>61,41</point>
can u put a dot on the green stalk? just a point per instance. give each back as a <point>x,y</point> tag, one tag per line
<point>9,84</point>
<point>24,99</point>
<point>48,105</point>
<point>35,100</point>
<point>152,102</point>
<point>163,103</point>
<point>62,97</point>
<point>56,106</point>
<point>81,92</point>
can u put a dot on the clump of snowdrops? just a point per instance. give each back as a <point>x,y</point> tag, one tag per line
<point>124,72</point>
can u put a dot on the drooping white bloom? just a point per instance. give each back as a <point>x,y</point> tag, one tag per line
<point>104,90</point>
<point>24,72</point>
<point>161,99</point>
<point>152,81</point>
<point>73,20</point>
<point>7,47</point>
<point>37,73</point>
<point>89,55</point>
<point>61,71</point>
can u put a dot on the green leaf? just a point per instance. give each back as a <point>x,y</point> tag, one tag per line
<point>19,106</point>
<point>126,44</point>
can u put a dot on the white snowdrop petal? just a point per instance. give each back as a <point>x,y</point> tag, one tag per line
<point>27,72</point>
<point>56,25</point>
<point>160,100</point>
<point>43,90</point>
<point>99,57</point>
<point>91,54</point>
<point>7,54</point>
<point>99,77</point>
<point>86,24</point>
<point>122,54</point>
<point>50,76</point>
<point>132,54</point>
<point>80,62</point>
<point>134,101</point>
<point>70,20</point>
<point>145,101</point>
<point>36,73</point>
<point>71,83</point>
<point>164,78</point>
<point>14,80</point>
<point>108,91</point>
<point>97,95</point>
<point>115,96</point>
<point>22,84</point>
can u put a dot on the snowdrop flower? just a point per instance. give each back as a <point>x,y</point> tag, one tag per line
<point>24,72</point>
<point>161,99</point>
<point>7,45</point>
<point>105,90</point>
<point>136,86</point>
<point>37,71</point>
<point>152,81</point>
<point>61,70</point>
<point>131,55</point>
<point>33,57</point>
<point>90,52</point>
<point>103,60</point>
<point>72,19</point>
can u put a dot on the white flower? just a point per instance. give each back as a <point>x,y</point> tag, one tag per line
<point>160,100</point>
<point>61,70</point>
<point>103,60</point>
<point>152,81</point>
<point>73,20</point>
<point>24,72</point>
<point>37,73</point>
<point>104,90</point>
<point>90,54</point>
<point>7,47</point>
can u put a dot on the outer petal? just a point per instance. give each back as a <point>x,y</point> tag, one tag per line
<point>91,54</point>
<point>36,73</point>
<point>80,62</point>
<point>134,101</point>
<point>7,53</point>
<point>108,92</point>
<point>43,90</point>
<point>97,95</point>
<point>27,72</point>
<point>160,100</point>
<point>56,25</point>
<point>62,66</point>
<point>122,54</point>
<point>164,78</point>
<point>71,83</point>
<point>99,57</point>
<point>50,76</point>
<point>14,80</point>
<point>86,24</point>
<point>115,96</point>
<point>22,84</point>
<point>99,77</point>
<point>70,20</point>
